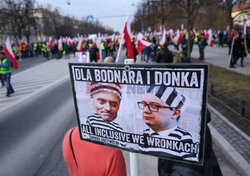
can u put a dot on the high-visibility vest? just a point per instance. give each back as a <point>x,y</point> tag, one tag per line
<point>196,37</point>
<point>5,70</point>
<point>102,46</point>
<point>14,48</point>
<point>35,46</point>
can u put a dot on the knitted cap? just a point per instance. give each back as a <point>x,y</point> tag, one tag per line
<point>169,95</point>
<point>106,87</point>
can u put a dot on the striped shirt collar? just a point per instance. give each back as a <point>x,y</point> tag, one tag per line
<point>162,133</point>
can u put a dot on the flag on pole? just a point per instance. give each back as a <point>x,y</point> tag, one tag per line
<point>210,38</point>
<point>79,45</point>
<point>50,42</point>
<point>182,27</point>
<point>163,39</point>
<point>142,43</point>
<point>59,44</point>
<point>127,38</point>
<point>9,53</point>
<point>177,36</point>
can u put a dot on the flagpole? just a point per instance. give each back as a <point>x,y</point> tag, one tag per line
<point>119,50</point>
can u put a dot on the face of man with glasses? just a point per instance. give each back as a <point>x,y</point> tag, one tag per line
<point>157,114</point>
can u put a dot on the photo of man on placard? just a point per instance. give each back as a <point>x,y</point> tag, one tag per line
<point>161,110</point>
<point>106,99</point>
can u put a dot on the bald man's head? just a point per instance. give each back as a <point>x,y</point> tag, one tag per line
<point>108,59</point>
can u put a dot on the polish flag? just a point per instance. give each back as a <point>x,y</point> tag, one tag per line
<point>163,39</point>
<point>182,27</point>
<point>177,36</point>
<point>59,44</point>
<point>180,38</point>
<point>79,45</point>
<point>171,33</point>
<point>50,42</point>
<point>113,37</point>
<point>142,43</point>
<point>210,38</point>
<point>9,53</point>
<point>127,38</point>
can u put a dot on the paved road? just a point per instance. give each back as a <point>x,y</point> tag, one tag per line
<point>27,63</point>
<point>33,120</point>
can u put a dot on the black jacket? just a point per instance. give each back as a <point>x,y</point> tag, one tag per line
<point>210,167</point>
<point>164,56</point>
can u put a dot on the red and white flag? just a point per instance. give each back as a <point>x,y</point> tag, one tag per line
<point>59,44</point>
<point>177,36</point>
<point>182,27</point>
<point>142,43</point>
<point>163,39</point>
<point>9,53</point>
<point>127,38</point>
<point>79,45</point>
<point>210,38</point>
<point>50,42</point>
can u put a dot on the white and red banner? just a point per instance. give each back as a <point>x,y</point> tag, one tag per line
<point>210,38</point>
<point>163,39</point>
<point>142,43</point>
<point>9,53</point>
<point>127,38</point>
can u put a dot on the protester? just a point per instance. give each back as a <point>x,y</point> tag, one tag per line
<point>210,166</point>
<point>5,71</point>
<point>108,59</point>
<point>176,59</point>
<point>184,57</point>
<point>202,43</point>
<point>85,158</point>
<point>164,55</point>
<point>147,51</point>
<point>242,52</point>
<point>236,49</point>
<point>184,44</point>
<point>93,53</point>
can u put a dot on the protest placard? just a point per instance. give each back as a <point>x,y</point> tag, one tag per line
<point>158,110</point>
<point>82,57</point>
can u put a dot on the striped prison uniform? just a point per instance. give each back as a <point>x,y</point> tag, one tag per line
<point>175,134</point>
<point>96,121</point>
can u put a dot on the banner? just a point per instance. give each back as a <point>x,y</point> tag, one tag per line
<point>158,110</point>
<point>82,57</point>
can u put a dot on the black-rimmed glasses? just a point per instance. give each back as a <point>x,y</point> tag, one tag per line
<point>152,107</point>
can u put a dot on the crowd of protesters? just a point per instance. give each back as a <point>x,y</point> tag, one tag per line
<point>154,53</point>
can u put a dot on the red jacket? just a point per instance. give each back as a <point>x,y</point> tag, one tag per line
<point>90,158</point>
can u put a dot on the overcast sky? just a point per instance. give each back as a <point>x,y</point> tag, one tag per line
<point>98,8</point>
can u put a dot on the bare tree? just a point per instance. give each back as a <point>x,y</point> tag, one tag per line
<point>19,15</point>
<point>229,5</point>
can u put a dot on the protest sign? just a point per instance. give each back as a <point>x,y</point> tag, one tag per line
<point>82,57</point>
<point>158,110</point>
